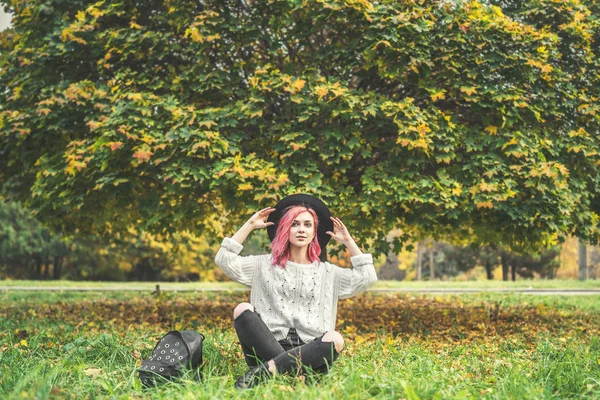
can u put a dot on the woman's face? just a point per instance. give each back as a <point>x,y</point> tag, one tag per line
<point>302,230</point>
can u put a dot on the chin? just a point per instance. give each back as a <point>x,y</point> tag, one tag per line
<point>300,244</point>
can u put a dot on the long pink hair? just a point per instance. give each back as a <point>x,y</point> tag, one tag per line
<point>280,247</point>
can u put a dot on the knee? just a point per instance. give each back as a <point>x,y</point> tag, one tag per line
<point>336,338</point>
<point>240,308</point>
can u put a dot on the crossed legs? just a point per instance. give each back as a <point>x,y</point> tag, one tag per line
<point>259,345</point>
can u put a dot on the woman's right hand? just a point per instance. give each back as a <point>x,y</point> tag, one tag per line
<point>259,219</point>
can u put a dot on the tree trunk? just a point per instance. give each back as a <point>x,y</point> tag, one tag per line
<point>504,261</point>
<point>46,267</point>
<point>58,260</point>
<point>583,266</point>
<point>37,269</point>
<point>419,259</point>
<point>513,269</point>
<point>431,263</point>
<point>488,271</point>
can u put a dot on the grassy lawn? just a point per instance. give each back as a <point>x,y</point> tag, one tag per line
<point>487,345</point>
<point>143,286</point>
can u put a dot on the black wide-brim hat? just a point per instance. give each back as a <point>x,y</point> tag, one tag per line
<point>322,211</point>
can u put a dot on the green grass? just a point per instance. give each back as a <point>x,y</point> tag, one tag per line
<point>69,357</point>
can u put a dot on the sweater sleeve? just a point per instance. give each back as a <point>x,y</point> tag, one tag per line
<point>236,267</point>
<point>352,281</point>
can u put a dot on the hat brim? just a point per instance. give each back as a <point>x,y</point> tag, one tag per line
<point>322,211</point>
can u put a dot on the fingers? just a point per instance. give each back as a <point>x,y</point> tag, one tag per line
<point>265,211</point>
<point>338,223</point>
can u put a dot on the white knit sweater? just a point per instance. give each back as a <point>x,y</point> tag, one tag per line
<point>300,296</point>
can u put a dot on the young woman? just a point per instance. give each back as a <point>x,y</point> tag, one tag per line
<point>290,320</point>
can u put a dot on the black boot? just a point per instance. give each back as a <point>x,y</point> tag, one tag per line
<point>253,377</point>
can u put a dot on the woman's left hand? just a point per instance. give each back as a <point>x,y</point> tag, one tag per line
<point>340,232</point>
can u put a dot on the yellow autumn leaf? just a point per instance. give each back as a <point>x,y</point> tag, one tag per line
<point>134,96</point>
<point>80,16</point>
<point>384,42</point>
<point>296,99</point>
<point>491,129</point>
<point>207,124</point>
<point>438,95</point>
<point>257,113</point>
<point>469,90</point>
<point>299,84</point>
<point>485,204</point>
<point>23,343</point>
<point>423,130</point>
<point>321,91</point>
<point>457,191</point>
<point>509,143</point>
<point>582,107</point>
<point>338,91</point>
<point>142,155</point>
<point>253,81</point>
<point>245,186</point>
<point>134,25</point>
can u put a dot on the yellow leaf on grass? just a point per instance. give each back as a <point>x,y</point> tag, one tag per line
<point>93,372</point>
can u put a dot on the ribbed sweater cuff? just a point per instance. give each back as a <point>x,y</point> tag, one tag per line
<point>232,245</point>
<point>361,259</point>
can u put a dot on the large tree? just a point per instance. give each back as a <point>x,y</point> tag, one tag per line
<point>448,118</point>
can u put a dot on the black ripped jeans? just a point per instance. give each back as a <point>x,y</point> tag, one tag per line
<point>259,345</point>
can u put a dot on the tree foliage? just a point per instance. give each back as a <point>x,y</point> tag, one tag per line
<point>470,119</point>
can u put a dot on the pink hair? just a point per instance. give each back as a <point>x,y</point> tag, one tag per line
<point>280,247</point>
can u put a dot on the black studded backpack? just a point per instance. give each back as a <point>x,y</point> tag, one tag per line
<point>173,354</point>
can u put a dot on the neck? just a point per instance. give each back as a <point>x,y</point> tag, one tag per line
<point>299,255</point>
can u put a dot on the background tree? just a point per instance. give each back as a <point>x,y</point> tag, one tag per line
<point>464,119</point>
<point>27,248</point>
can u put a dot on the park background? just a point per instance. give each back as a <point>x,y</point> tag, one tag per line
<point>458,140</point>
